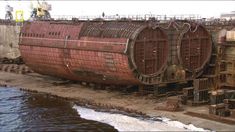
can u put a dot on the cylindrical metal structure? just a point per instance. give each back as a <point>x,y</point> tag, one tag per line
<point>195,49</point>
<point>190,50</point>
<point>123,53</point>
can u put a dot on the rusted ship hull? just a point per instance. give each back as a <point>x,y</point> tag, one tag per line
<point>82,51</point>
<point>92,66</point>
<point>123,53</point>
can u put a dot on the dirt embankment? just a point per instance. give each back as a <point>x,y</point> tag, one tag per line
<point>110,99</point>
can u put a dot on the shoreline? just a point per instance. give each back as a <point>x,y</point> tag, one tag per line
<point>129,104</point>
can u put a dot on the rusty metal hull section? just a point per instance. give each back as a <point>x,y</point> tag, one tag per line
<point>182,37</point>
<point>100,52</point>
<point>195,49</point>
<point>150,51</point>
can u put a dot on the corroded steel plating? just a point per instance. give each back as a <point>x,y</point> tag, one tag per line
<point>195,48</point>
<point>190,47</point>
<point>103,52</point>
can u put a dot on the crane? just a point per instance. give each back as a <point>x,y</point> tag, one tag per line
<point>9,10</point>
<point>41,11</point>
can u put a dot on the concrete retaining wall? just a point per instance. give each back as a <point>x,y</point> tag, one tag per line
<point>9,39</point>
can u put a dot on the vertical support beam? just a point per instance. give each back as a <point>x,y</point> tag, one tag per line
<point>141,89</point>
<point>156,90</point>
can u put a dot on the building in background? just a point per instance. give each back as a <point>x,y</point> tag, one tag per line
<point>228,16</point>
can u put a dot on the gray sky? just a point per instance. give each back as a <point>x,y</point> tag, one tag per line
<point>93,8</point>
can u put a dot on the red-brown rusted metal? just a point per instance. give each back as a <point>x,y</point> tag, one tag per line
<point>150,51</point>
<point>103,52</point>
<point>195,48</point>
<point>171,104</point>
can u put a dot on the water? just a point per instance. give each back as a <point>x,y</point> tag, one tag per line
<point>24,111</point>
<point>127,123</point>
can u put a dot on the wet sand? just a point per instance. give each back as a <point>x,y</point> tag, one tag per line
<point>131,102</point>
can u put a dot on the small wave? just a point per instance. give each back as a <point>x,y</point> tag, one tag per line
<point>126,123</point>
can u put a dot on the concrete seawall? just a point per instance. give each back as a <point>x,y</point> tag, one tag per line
<point>9,40</point>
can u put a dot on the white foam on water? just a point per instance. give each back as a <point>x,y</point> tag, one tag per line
<point>127,123</point>
<point>181,125</point>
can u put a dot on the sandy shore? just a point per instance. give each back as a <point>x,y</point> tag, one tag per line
<point>132,102</point>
